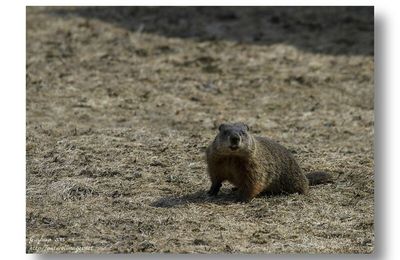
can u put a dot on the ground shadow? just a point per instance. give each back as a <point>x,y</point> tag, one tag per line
<point>225,197</point>
<point>328,30</point>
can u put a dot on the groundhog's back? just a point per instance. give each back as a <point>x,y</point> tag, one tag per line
<point>281,167</point>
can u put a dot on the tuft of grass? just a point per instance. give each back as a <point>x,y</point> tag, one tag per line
<point>72,189</point>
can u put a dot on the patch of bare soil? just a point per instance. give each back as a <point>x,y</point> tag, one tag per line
<point>121,103</point>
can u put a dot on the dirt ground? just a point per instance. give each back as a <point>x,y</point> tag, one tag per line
<point>122,102</point>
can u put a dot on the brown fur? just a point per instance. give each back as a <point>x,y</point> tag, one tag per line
<point>255,164</point>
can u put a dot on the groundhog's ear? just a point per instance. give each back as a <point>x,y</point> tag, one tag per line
<point>221,127</point>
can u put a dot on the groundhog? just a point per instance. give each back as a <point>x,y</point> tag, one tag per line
<point>255,165</point>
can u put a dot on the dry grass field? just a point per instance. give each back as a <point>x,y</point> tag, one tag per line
<point>122,102</point>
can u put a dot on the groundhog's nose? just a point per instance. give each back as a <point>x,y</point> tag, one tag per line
<point>235,139</point>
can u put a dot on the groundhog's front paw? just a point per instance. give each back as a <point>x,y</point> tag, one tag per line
<point>212,193</point>
<point>214,189</point>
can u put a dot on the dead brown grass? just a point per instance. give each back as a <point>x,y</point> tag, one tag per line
<point>118,119</point>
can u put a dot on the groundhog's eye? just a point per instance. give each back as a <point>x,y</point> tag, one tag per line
<point>243,133</point>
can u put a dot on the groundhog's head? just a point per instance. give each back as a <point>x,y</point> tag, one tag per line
<point>233,139</point>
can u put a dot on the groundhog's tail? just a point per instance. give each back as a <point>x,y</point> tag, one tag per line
<point>315,178</point>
